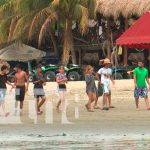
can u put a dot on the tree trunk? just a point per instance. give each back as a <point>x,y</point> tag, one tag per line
<point>125,61</point>
<point>109,38</point>
<point>68,43</point>
<point>54,44</point>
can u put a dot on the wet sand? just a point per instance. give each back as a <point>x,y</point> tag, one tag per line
<point>121,128</point>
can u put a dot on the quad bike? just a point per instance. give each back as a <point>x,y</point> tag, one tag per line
<point>123,73</point>
<point>73,72</point>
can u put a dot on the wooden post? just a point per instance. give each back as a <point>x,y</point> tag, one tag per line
<point>125,54</point>
<point>148,59</point>
<point>80,56</point>
<point>109,34</point>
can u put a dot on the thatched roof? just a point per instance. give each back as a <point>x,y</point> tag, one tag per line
<point>20,52</point>
<point>125,7</point>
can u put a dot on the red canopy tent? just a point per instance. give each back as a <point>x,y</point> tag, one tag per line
<point>138,35</point>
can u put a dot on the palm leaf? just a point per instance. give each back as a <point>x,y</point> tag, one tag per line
<point>22,27</point>
<point>47,23</point>
<point>27,6</point>
<point>82,15</point>
<point>6,9</point>
<point>38,21</point>
<point>4,29</point>
<point>12,27</point>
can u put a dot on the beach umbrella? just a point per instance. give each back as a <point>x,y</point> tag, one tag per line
<point>20,52</point>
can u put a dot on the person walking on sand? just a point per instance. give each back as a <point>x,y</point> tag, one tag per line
<point>61,79</point>
<point>38,81</point>
<point>91,89</point>
<point>140,79</point>
<point>105,78</point>
<point>3,88</point>
<point>21,79</point>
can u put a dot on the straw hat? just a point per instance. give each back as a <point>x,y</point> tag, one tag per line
<point>106,61</point>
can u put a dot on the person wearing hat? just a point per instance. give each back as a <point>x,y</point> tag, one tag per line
<point>105,78</point>
<point>38,81</point>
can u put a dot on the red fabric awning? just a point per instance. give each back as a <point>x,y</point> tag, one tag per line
<point>138,35</point>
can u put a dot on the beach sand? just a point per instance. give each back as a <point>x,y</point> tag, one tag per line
<point>120,128</point>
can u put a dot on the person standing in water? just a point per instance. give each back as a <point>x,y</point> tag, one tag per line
<point>105,79</point>
<point>91,89</point>
<point>3,88</point>
<point>61,80</point>
<point>140,79</point>
<point>38,81</point>
<point>21,78</point>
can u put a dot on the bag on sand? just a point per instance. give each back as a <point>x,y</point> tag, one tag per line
<point>99,90</point>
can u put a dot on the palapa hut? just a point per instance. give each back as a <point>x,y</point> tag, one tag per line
<point>138,36</point>
<point>124,8</point>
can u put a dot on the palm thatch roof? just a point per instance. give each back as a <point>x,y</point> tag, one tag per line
<point>20,52</point>
<point>124,7</point>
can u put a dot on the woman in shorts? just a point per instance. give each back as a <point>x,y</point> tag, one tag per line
<point>61,80</point>
<point>91,89</point>
<point>3,88</point>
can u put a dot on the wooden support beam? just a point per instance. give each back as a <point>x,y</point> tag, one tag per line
<point>80,56</point>
<point>125,54</point>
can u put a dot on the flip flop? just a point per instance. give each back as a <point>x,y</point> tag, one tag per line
<point>97,107</point>
<point>39,112</point>
<point>105,108</point>
<point>58,110</point>
<point>111,107</point>
<point>90,110</point>
<point>7,114</point>
<point>86,106</point>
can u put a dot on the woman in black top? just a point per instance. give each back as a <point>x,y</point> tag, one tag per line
<point>38,81</point>
<point>3,88</point>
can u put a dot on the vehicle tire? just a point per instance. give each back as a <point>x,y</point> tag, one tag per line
<point>73,76</point>
<point>128,76</point>
<point>49,76</point>
<point>11,79</point>
<point>117,76</point>
<point>31,78</point>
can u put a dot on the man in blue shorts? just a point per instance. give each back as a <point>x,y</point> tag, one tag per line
<point>140,79</point>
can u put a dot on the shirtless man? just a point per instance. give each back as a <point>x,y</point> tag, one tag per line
<point>20,79</point>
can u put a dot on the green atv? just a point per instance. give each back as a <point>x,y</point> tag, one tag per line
<point>73,72</point>
<point>122,73</point>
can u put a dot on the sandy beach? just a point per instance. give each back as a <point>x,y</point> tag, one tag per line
<point>120,128</point>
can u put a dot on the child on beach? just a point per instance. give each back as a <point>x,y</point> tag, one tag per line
<point>3,88</point>
<point>140,79</point>
<point>61,79</point>
<point>91,89</point>
<point>38,81</point>
<point>106,78</point>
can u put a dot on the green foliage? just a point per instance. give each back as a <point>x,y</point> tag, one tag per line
<point>38,16</point>
<point>22,27</point>
<point>6,9</point>
<point>4,29</point>
<point>2,2</point>
<point>27,6</point>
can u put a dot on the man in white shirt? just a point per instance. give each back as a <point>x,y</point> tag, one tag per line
<point>106,78</point>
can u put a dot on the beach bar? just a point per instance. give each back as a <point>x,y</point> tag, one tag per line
<point>138,35</point>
